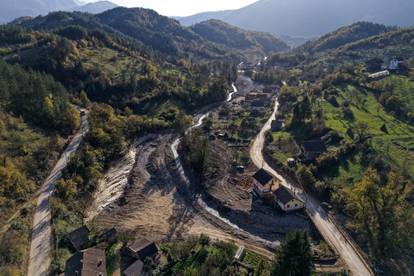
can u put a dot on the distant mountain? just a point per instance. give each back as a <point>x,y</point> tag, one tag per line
<point>10,10</point>
<point>345,35</point>
<point>97,7</point>
<point>235,38</point>
<point>166,35</point>
<point>311,18</point>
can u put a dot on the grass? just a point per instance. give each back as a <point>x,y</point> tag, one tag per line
<point>396,145</point>
<point>283,146</point>
<point>255,260</point>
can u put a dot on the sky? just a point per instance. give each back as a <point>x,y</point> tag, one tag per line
<point>182,7</point>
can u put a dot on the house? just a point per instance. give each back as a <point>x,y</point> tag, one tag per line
<point>312,149</point>
<point>394,64</point>
<point>142,249</point>
<point>135,269</point>
<point>263,183</point>
<point>109,235</point>
<point>286,201</point>
<point>278,125</point>
<point>77,239</point>
<point>379,75</point>
<point>89,262</point>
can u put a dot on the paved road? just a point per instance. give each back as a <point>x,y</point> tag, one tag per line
<point>42,240</point>
<point>331,233</point>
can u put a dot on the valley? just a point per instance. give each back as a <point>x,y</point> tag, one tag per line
<point>130,142</point>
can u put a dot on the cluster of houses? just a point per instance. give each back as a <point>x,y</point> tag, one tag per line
<point>92,261</point>
<point>392,66</point>
<point>270,190</point>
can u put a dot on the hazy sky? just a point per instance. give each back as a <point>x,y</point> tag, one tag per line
<point>183,7</point>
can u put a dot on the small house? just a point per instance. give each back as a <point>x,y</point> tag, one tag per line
<point>291,162</point>
<point>135,269</point>
<point>109,235</point>
<point>142,249</point>
<point>277,125</point>
<point>312,149</point>
<point>286,201</point>
<point>394,64</point>
<point>379,75</point>
<point>263,183</point>
<point>88,262</point>
<point>77,239</point>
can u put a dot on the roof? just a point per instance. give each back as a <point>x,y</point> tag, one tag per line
<point>94,262</point>
<point>262,176</point>
<point>144,248</point>
<point>89,262</point>
<point>135,269</point>
<point>283,195</point>
<point>314,146</point>
<point>79,237</point>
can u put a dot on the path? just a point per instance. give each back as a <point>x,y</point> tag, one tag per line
<point>41,240</point>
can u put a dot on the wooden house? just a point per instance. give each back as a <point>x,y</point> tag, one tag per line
<point>87,262</point>
<point>142,249</point>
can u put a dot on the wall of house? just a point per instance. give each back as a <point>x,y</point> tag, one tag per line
<point>290,206</point>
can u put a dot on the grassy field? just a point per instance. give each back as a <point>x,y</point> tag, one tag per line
<point>395,144</point>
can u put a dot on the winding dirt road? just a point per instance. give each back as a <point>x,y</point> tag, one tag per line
<point>332,233</point>
<point>42,241</point>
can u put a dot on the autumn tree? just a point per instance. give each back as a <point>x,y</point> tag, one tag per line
<point>383,216</point>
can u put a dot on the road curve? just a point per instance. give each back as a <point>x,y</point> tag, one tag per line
<point>333,234</point>
<point>42,241</point>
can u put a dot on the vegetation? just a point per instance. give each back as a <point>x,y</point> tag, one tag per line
<point>35,119</point>
<point>294,258</point>
<point>366,126</point>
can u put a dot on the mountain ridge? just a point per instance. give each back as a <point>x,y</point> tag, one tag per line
<point>310,18</point>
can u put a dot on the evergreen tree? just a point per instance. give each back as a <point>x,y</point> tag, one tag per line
<point>294,258</point>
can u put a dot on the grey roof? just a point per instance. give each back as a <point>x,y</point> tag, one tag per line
<point>283,195</point>
<point>262,176</point>
<point>89,262</point>
<point>144,248</point>
<point>79,237</point>
<point>135,269</point>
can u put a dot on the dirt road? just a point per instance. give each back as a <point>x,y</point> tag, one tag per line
<point>329,230</point>
<point>41,240</point>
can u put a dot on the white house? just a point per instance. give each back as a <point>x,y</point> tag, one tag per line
<point>287,201</point>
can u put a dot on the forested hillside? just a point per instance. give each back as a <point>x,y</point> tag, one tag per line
<point>345,35</point>
<point>129,87</point>
<point>238,39</point>
<point>365,165</point>
<point>157,33</point>
<point>35,121</point>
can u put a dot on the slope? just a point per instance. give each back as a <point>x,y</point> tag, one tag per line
<point>311,18</point>
<point>235,38</point>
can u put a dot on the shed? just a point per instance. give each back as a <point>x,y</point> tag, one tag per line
<point>89,262</point>
<point>135,269</point>
<point>78,238</point>
<point>142,248</point>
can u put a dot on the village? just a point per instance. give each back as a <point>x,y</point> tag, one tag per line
<point>245,195</point>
